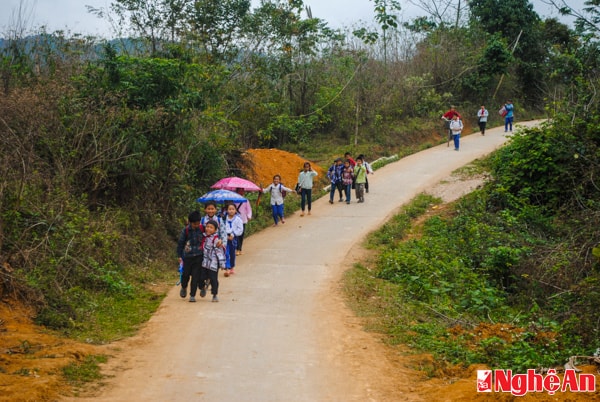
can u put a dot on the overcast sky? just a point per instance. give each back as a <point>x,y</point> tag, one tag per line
<point>72,15</point>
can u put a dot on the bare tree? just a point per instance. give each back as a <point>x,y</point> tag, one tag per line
<point>441,11</point>
<point>18,25</point>
<point>588,17</point>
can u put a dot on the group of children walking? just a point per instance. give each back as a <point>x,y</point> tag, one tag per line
<point>207,244</point>
<point>347,174</point>
<point>212,242</point>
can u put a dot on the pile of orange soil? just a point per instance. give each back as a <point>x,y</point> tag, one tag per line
<point>262,164</point>
<point>31,359</point>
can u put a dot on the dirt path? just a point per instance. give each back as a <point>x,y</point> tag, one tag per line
<point>282,331</point>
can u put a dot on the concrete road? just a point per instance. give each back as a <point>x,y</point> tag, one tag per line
<point>264,340</point>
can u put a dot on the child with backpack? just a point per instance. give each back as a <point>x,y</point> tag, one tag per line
<point>190,253</point>
<point>214,258</point>
<point>456,126</point>
<point>278,192</point>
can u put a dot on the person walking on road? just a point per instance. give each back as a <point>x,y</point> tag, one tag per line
<point>245,210</point>
<point>456,127</point>
<point>482,116</point>
<point>448,117</point>
<point>370,170</point>
<point>360,175</point>
<point>335,177</point>
<point>509,118</point>
<point>347,178</point>
<point>305,180</point>
<point>211,214</point>
<point>234,227</point>
<point>213,259</point>
<point>189,251</point>
<point>277,191</point>
<point>349,158</point>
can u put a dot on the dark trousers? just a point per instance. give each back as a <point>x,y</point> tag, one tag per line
<point>306,195</point>
<point>211,276</point>
<point>191,269</point>
<point>240,239</point>
<point>333,188</point>
<point>482,127</point>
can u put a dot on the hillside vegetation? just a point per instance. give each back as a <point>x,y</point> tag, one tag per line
<point>508,275</point>
<point>106,144</point>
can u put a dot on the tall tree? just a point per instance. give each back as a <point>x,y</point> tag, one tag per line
<point>218,26</point>
<point>520,25</point>
<point>153,20</point>
<point>385,17</point>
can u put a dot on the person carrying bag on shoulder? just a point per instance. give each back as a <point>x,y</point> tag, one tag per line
<point>305,183</point>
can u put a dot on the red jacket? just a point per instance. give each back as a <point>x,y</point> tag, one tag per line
<point>450,114</point>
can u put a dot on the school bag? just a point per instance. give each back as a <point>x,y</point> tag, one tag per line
<point>281,190</point>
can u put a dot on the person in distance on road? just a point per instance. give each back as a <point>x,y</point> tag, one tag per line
<point>360,175</point>
<point>347,178</point>
<point>348,157</point>
<point>367,166</point>
<point>456,127</point>
<point>335,177</point>
<point>482,116</point>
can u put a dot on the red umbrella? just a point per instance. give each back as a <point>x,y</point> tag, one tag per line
<point>234,183</point>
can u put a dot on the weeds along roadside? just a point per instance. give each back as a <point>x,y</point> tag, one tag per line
<point>420,290</point>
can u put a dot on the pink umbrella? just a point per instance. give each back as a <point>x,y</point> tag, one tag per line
<point>233,183</point>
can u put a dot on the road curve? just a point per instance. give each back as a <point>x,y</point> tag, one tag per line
<point>264,340</point>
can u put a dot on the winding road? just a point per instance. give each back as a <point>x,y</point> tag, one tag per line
<point>281,331</point>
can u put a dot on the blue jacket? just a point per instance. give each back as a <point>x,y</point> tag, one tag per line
<point>509,109</point>
<point>335,173</point>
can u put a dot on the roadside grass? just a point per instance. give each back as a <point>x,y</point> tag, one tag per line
<point>88,370</point>
<point>397,228</point>
<point>418,288</point>
<point>117,317</point>
<point>475,168</point>
<point>111,316</point>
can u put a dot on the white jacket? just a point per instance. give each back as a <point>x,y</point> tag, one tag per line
<point>275,190</point>
<point>456,126</point>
